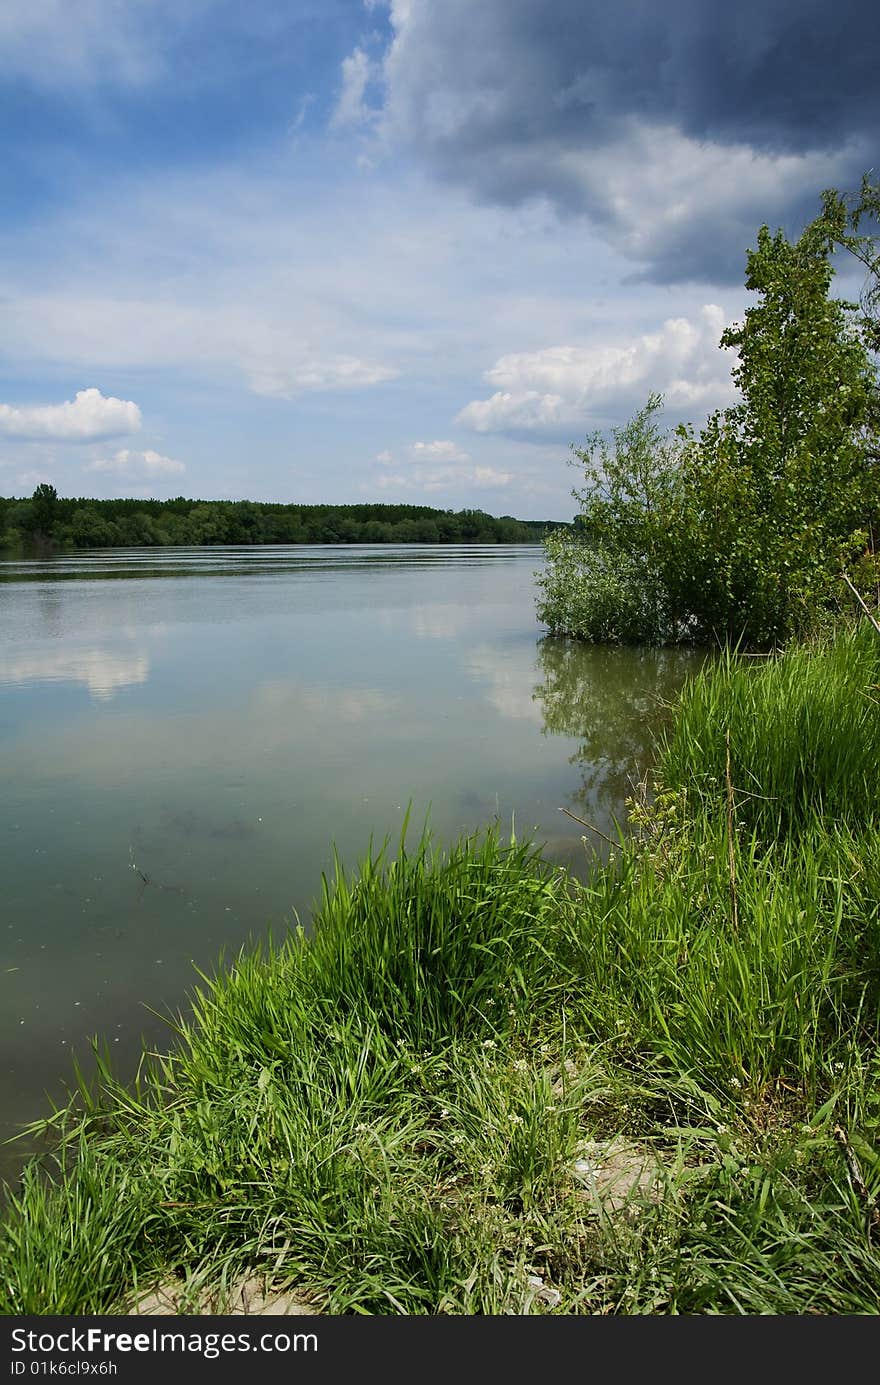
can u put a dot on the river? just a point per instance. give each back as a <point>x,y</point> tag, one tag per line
<point>186,733</point>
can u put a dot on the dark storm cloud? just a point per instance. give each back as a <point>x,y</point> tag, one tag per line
<point>677,126</point>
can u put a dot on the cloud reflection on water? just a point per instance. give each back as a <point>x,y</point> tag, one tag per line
<point>103,671</point>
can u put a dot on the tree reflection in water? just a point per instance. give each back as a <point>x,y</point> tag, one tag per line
<point>614,701</point>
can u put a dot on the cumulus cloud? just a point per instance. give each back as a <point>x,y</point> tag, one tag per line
<point>89,417</point>
<point>550,392</point>
<point>495,97</point>
<point>137,466</point>
<point>687,209</point>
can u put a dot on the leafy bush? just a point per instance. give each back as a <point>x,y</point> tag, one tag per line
<point>742,533</point>
<point>596,594</point>
<point>605,581</point>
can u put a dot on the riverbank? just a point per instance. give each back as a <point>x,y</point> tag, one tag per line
<point>483,1088</point>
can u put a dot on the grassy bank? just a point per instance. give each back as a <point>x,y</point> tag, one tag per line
<point>417,1109</point>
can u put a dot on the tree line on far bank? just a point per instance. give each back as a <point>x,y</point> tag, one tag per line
<point>49,521</point>
<point>750,530</point>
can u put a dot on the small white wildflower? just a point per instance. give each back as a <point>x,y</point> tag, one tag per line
<point>735,1082</point>
<point>444,1114</point>
<point>489,1043</point>
<point>520,1065</point>
<point>516,1120</point>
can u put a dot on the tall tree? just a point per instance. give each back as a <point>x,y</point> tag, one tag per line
<point>44,504</point>
<point>782,490</point>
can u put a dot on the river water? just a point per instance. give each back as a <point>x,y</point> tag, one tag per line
<point>186,733</point>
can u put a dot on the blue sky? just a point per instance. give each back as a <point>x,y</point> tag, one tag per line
<point>328,250</point>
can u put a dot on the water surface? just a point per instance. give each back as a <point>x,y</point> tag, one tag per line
<point>186,732</point>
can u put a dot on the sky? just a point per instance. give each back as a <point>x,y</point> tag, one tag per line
<point>412,251</point>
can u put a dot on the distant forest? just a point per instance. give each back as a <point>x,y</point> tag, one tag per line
<point>48,520</point>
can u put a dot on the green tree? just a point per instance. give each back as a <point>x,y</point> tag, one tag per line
<point>209,523</point>
<point>780,494</point>
<point>44,505</point>
<point>88,529</point>
<point>742,533</point>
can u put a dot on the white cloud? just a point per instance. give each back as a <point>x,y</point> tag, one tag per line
<point>420,453</point>
<point>266,330</point>
<point>436,466</point>
<point>332,373</point>
<point>351,108</point>
<point>439,451</point>
<point>556,389</point>
<point>690,207</point>
<point>490,476</point>
<point>137,466</point>
<point>431,479</point>
<point>90,417</point>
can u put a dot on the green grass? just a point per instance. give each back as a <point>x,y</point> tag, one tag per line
<point>388,1115</point>
<point>804,736</point>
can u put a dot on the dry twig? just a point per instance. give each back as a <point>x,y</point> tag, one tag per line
<point>583,822</point>
<point>861,602</point>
